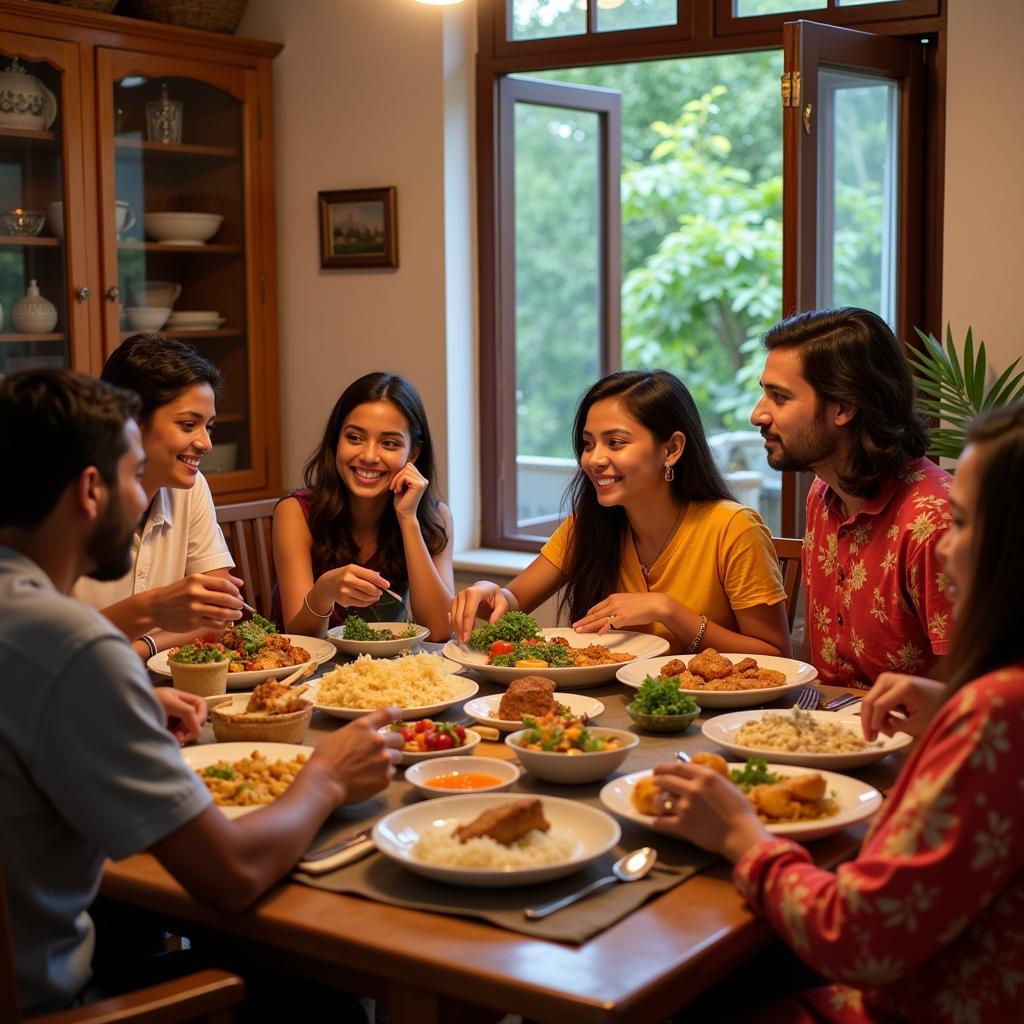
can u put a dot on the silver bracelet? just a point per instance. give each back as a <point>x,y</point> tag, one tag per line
<point>319,615</point>
<point>695,642</point>
<point>150,644</point>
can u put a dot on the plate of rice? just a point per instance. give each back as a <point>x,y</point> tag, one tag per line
<point>419,684</point>
<point>421,838</point>
<point>772,678</point>
<point>814,739</point>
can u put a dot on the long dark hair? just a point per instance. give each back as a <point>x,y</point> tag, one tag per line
<point>660,402</point>
<point>158,369</point>
<point>851,355</point>
<point>330,517</point>
<point>987,633</point>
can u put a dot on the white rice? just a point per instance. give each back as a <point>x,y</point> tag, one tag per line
<point>439,846</point>
<point>370,683</point>
<point>800,733</point>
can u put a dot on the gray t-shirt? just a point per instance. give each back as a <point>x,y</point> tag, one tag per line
<point>87,771</point>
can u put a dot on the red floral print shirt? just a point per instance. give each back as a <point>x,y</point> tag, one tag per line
<point>876,594</point>
<point>925,925</point>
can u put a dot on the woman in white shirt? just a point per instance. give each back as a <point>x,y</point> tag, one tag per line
<point>180,585</point>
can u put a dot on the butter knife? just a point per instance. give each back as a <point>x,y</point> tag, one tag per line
<point>323,852</point>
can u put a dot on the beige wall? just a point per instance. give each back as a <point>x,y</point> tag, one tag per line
<point>984,219</point>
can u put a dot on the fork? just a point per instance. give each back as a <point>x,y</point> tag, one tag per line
<point>809,697</point>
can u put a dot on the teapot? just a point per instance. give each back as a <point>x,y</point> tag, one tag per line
<point>24,101</point>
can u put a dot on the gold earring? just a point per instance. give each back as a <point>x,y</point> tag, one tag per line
<point>670,473</point>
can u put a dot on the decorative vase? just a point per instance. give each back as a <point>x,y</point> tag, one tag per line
<point>24,101</point>
<point>163,118</point>
<point>33,314</point>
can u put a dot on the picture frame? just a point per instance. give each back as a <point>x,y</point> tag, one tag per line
<point>359,228</point>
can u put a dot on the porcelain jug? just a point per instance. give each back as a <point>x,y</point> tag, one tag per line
<point>24,101</point>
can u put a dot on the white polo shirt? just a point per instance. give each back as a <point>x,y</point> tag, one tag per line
<point>181,537</point>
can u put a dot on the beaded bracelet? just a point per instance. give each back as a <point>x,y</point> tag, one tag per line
<point>150,644</point>
<point>319,615</point>
<point>695,642</point>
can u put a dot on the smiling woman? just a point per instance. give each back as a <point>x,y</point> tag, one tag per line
<point>179,585</point>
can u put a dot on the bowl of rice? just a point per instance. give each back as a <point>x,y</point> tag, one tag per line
<point>419,684</point>
<point>420,837</point>
<point>814,739</point>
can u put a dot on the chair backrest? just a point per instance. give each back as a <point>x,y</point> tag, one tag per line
<point>247,527</point>
<point>10,1006</point>
<point>789,550</point>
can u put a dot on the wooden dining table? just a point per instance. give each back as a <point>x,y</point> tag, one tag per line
<point>433,967</point>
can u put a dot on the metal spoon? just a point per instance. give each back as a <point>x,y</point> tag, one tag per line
<point>630,868</point>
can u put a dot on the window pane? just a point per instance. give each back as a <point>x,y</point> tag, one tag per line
<point>616,15</point>
<point>752,8</point>
<point>861,3</point>
<point>543,19</point>
<point>857,157</point>
<point>557,225</point>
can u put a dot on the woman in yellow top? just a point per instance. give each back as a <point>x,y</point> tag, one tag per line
<point>655,542</point>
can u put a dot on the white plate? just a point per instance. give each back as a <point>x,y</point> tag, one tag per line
<point>465,689</point>
<point>857,801</point>
<point>415,756</point>
<point>197,325</point>
<point>722,730</point>
<point>377,648</point>
<point>643,645</point>
<point>320,651</point>
<point>209,753</point>
<point>485,709</point>
<point>398,832</point>
<point>798,673</point>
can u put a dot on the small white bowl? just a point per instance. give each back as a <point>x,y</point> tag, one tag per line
<point>420,774</point>
<point>146,318</point>
<point>415,756</point>
<point>377,648</point>
<point>574,769</point>
<point>179,227</point>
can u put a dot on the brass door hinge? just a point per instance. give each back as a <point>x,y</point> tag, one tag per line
<point>791,89</point>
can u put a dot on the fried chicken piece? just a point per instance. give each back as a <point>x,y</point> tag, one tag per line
<point>275,698</point>
<point>710,664</point>
<point>769,677</point>
<point>529,695</point>
<point>647,796</point>
<point>596,654</point>
<point>506,823</point>
<point>808,788</point>
<point>688,681</point>
<point>746,665</point>
<point>715,762</point>
<point>797,798</point>
<point>675,667</point>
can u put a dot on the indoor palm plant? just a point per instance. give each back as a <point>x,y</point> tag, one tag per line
<point>953,389</point>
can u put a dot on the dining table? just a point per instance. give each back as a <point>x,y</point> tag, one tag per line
<point>439,967</point>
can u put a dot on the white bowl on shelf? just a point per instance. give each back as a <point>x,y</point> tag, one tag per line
<point>122,215</point>
<point>181,227</point>
<point>146,318</point>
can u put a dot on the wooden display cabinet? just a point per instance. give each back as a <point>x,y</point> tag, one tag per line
<point>99,155</point>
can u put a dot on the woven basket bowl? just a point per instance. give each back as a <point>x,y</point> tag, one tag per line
<point>211,15</point>
<point>260,728</point>
<point>103,6</point>
<point>207,679</point>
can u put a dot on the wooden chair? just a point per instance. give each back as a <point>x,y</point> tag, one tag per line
<point>246,529</point>
<point>789,550</point>
<point>205,996</point>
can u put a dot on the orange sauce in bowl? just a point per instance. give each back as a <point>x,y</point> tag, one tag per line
<point>463,780</point>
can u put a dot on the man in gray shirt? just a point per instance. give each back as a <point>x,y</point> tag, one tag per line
<point>87,767</point>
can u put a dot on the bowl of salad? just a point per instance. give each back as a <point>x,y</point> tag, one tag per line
<point>200,667</point>
<point>567,750</point>
<point>660,706</point>
<point>428,739</point>
<point>378,639</point>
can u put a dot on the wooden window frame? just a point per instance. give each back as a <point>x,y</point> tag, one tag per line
<point>706,28</point>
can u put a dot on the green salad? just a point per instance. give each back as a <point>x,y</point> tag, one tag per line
<point>199,652</point>
<point>252,634</point>
<point>662,697</point>
<point>512,626</point>
<point>357,629</point>
<point>555,655</point>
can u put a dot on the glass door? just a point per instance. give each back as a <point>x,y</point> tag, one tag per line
<point>177,230</point>
<point>43,263</point>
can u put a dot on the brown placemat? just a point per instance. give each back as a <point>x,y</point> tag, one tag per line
<point>378,878</point>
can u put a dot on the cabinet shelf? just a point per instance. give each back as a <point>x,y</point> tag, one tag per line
<point>27,135</point>
<point>209,247</point>
<point>18,338</point>
<point>138,149</point>
<point>217,332</point>
<point>32,240</point>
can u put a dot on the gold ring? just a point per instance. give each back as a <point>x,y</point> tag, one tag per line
<point>668,806</point>
<point>611,617</point>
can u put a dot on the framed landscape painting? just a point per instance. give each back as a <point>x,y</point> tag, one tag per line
<point>359,228</point>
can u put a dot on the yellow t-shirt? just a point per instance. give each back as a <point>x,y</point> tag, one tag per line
<point>720,559</point>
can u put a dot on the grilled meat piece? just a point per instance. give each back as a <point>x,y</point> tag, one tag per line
<point>507,823</point>
<point>529,695</point>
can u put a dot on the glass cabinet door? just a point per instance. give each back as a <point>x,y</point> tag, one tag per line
<point>42,241</point>
<point>177,222</point>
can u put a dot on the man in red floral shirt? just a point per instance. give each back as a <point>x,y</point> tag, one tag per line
<point>839,401</point>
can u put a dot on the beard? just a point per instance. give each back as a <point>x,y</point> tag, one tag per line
<point>110,545</point>
<point>805,451</point>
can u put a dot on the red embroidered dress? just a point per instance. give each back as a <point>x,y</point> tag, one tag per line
<point>876,594</point>
<point>927,924</point>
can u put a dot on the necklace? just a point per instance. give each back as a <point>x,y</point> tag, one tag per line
<point>646,569</point>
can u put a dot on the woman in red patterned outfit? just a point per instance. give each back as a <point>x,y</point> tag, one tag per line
<point>925,924</point>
